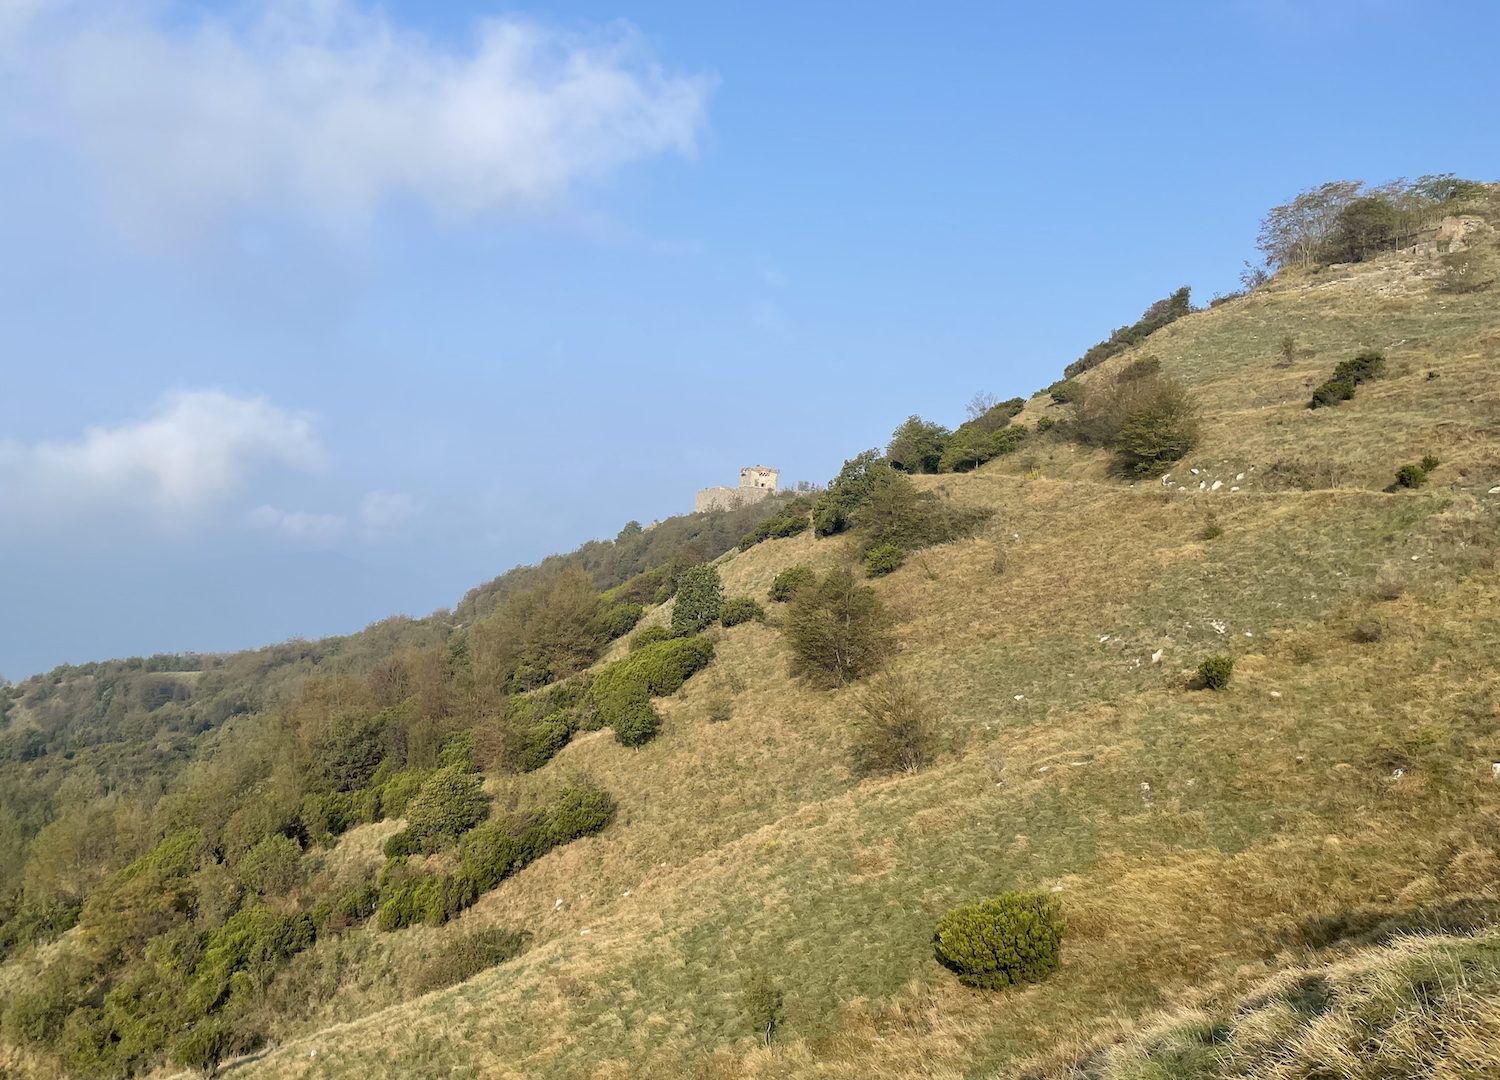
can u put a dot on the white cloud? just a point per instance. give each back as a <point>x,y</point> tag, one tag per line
<point>324,110</point>
<point>386,510</point>
<point>316,529</point>
<point>199,447</point>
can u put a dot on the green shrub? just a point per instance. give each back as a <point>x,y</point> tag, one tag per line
<point>272,867</point>
<point>461,959</point>
<point>785,585</point>
<point>1214,672</point>
<point>741,609</point>
<point>619,620</point>
<point>36,1013</point>
<point>1429,463</point>
<point>579,812</point>
<point>791,520</point>
<point>1329,394</point>
<point>204,1048</point>
<point>1347,375</point>
<point>971,447</point>
<point>399,845</point>
<point>348,751</point>
<point>1044,424</point>
<point>896,513</point>
<point>415,900</point>
<point>450,803</point>
<point>847,492</point>
<point>917,445</point>
<point>457,751</point>
<point>838,630</point>
<point>400,789</point>
<point>544,739</point>
<point>494,851</point>
<point>636,724</point>
<point>883,559</point>
<point>991,944</point>
<point>649,636</point>
<point>655,670</point>
<point>1410,476</point>
<point>1163,430</point>
<point>1156,316</point>
<point>700,594</point>
<point>1066,392</point>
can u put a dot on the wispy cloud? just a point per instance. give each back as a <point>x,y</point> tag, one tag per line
<point>385,510</point>
<point>199,447</point>
<point>318,530</point>
<point>322,109</point>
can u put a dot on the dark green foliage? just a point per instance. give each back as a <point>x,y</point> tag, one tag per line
<point>848,492</point>
<point>25,921</point>
<point>917,445</point>
<point>579,812</point>
<point>399,845</point>
<point>348,751</point>
<point>785,585</point>
<point>1364,227</point>
<point>636,723</point>
<point>971,446</point>
<point>450,803</point>
<point>883,559</point>
<point>741,609</point>
<point>36,1014</point>
<point>461,959</point>
<point>619,619</point>
<point>1162,430</point>
<point>397,792</point>
<point>545,738</point>
<point>1012,406</point>
<point>761,1000</point>
<point>1410,476</point>
<point>1214,672</point>
<point>991,944</point>
<point>272,867</point>
<point>650,636</point>
<point>1044,423</point>
<point>1429,463</point>
<point>415,900</point>
<point>791,520</point>
<point>1140,368</point>
<point>1066,391</point>
<point>1329,394</point>
<point>699,596</point>
<point>204,1048</point>
<point>1156,316</point>
<point>648,672</point>
<point>838,630</point>
<point>1346,376</point>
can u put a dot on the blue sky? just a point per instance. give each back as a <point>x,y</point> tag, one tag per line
<point>313,312</point>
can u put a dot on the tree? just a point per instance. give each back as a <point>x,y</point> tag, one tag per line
<point>1163,430</point>
<point>917,445</point>
<point>1293,234</point>
<point>838,630</point>
<point>450,803</point>
<point>700,594</point>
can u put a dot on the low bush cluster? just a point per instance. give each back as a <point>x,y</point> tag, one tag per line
<point>896,732</point>
<point>650,636</point>
<point>883,559</point>
<point>1348,375</point>
<point>622,692</point>
<point>1414,476</point>
<point>1147,418</point>
<point>1214,672</point>
<point>740,609</point>
<point>459,960</point>
<point>790,520</point>
<point>785,585</point>
<point>492,852</point>
<point>848,492</point>
<point>1159,314</point>
<point>991,944</point>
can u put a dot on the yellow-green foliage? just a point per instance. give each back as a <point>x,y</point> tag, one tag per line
<point>656,669</point>
<point>1012,938</point>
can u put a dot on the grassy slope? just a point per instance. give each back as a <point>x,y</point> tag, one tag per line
<point>748,845</point>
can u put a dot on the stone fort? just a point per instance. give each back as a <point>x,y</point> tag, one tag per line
<point>756,482</point>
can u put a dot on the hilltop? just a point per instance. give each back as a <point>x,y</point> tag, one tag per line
<point>1237,867</point>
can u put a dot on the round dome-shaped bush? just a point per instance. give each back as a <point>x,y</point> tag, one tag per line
<point>1012,938</point>
<point>637,724</point>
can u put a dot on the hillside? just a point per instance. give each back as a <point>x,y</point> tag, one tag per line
<point>1215,853</point>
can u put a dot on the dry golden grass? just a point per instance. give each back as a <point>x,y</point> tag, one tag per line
<point>1191,835</point>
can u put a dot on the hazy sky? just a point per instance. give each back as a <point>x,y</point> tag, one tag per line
<point>313,312</point>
